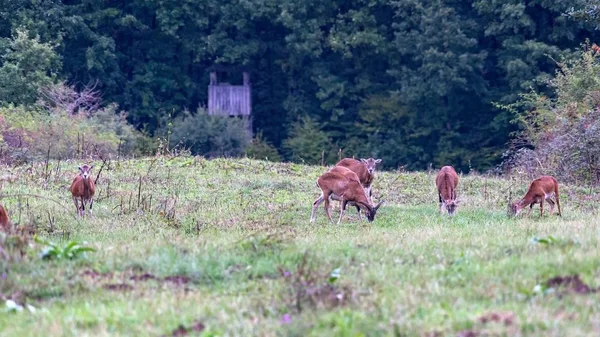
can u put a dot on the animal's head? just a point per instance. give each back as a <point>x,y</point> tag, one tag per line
<point>84,171</point>
<point>371,163</point>
<point>513,209</point>
<point>451,206</point>
<point>371,212</point>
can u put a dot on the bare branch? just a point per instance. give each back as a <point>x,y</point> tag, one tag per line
<point>62,97</point>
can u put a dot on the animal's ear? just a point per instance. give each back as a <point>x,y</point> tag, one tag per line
<point>377,161</point>
<point>91,167</point>
<point>363,160</point>
<point>79,168</point>
<point>379,204</point>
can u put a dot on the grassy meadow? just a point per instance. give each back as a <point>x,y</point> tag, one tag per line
<point>188,246</point>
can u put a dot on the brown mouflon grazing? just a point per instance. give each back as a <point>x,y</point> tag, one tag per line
<point>4,220</point>
<point>543,188</point>
<point>341,184</point>
<point>447,181</point>
<point>364,169</point>
<point>82,189</point>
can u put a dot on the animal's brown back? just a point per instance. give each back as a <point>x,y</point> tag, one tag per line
<point>80,189</point>
<point>346,172</point>
<point>357,167</point>
<point>4,220</point>
<point>446,181</point>
<point>543,185</point>
<point>340,181</point>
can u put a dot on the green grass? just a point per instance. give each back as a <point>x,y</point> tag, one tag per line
<point>237,233</point>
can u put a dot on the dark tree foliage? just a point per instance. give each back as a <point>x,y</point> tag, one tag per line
<point>413,81</point>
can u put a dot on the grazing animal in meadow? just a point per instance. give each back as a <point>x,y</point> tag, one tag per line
<point>543,188</point>
<point>341,184</point>
<point>447,181</point>
<point>4,220</point>
<point>82,189</point>
<point>364,169</point>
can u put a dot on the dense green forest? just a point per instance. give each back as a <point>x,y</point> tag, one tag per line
<point>412,82</point>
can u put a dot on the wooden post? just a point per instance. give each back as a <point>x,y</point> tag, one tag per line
<point>213,78</point>
<point>246,78</point>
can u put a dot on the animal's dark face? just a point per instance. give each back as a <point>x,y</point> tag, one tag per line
<point>371,163</point>
<point>371,212</point>
<point>371,215</point>
<point>84,171</point>
<point>451,206</point>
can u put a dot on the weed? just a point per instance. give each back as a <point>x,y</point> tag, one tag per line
<point>70,251</point>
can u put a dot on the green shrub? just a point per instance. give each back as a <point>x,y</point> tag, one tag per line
<point>34,133</point>
<point>560,136</point>
<point>26,65</point>
<point>260,148</point>
<point>209,135</point>
<point>309,144</point>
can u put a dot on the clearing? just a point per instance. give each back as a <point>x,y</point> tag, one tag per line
<point>224,247</point>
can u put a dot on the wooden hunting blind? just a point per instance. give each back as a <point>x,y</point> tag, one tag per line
<point>229,100</point>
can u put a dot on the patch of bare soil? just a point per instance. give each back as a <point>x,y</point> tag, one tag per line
<point>468,333</point>
<point>94,274</point>
<point>117,286</point>
<point>571,283</point>
<point>181,330</point>
<point>142,277</point>
<point>177,279</point>
<point>506,318</point>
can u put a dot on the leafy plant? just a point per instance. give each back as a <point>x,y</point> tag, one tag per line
<point>261,149</point>
<point>544,241</point>
<point>308,143</point>
<point>335,275</point>
<point>70,251</point>
<point>210,135</point>
<point>27,65</point>
<point>559,136</point>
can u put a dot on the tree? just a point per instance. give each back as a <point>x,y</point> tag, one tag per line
<point>27,66</point>
<point>308,143</point>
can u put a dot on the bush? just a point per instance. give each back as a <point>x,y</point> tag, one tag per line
<point>308,143</point>
<point>26,65</point>
<point>33,133</point>
<point>260,148</point>
<point>210,136</point>
<point>561,136</point>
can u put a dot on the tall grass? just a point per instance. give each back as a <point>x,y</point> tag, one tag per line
<point>224,248</point>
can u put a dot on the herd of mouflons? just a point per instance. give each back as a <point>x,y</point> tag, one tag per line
<point>348,182</point>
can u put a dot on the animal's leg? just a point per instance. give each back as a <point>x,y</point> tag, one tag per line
<point>314,208</point>
<point>82,207</point>
<point>530,208</point>
<point>327,209</point>
<point>358,210</point>
<point>440,203</point>
<point>541,207</point>
<point>77,205</point>
<point>551,202</point>
<point>557,200</point>
<point>343,209</point>
<point>91,204</point>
